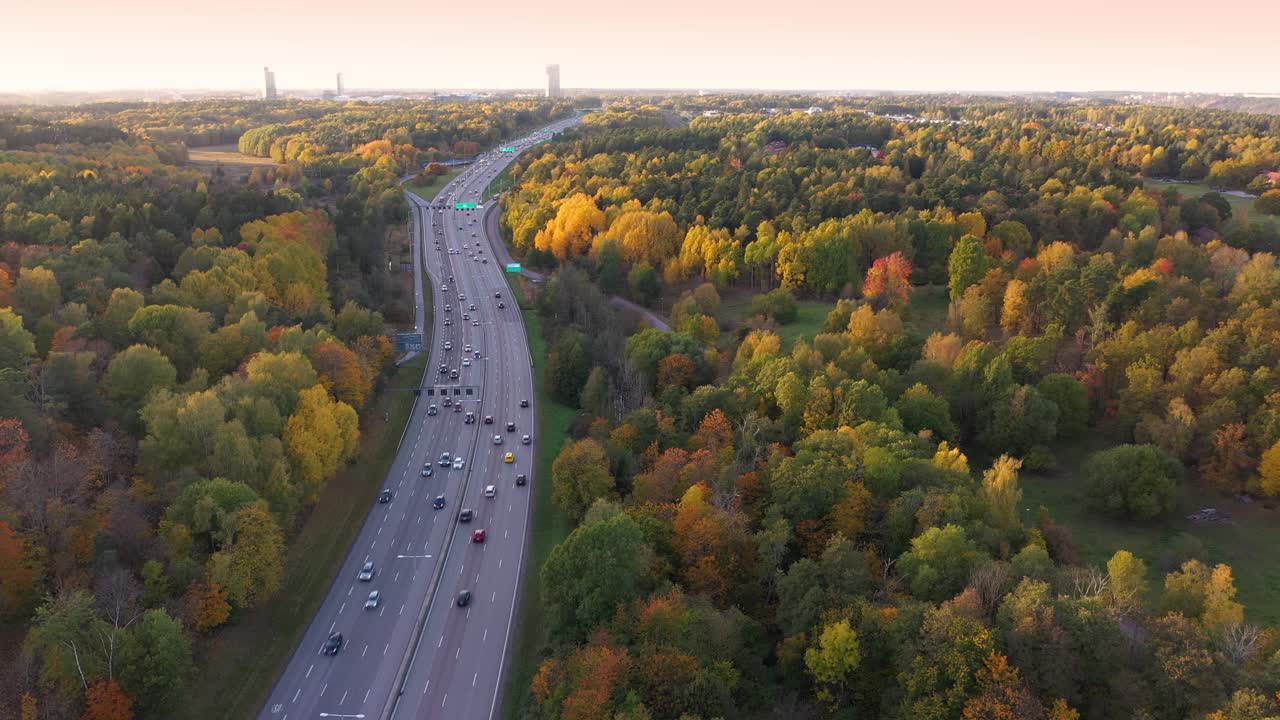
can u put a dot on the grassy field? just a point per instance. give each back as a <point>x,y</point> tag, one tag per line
<point>928,308</point>
<point>241,662</point>
<point>228,154</point>
<point>1245,543</point>
<point>428,192</point>
<point>1239,205</point>
<point>735,308</point>
<point>550,526</point>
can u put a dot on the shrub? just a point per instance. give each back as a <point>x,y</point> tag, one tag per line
<point>1137,481</point>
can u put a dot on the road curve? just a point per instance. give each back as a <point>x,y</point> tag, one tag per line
<point>416,654</point>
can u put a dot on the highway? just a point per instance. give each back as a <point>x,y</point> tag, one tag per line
<point>417,654</point>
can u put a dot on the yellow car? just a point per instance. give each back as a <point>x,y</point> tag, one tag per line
<point>509,458</point>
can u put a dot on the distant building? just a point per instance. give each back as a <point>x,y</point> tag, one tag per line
<point>553,81</point>
<point>814,110</point>
<point>269,87</point>
<point>340,89</point>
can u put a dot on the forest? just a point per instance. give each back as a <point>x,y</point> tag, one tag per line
<point>835,526</point>
<point>184,362</point>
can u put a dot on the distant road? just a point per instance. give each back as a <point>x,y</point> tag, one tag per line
<point>416,654</point>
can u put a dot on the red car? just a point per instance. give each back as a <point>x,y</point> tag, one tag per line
<point>477,536</point>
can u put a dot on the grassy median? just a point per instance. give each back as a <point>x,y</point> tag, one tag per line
<point>550,526</point>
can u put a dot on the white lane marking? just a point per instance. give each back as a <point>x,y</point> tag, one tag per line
<point>486,636</point>
<point>441,643</point>
<point>473,680</point>
<point>457,652</point>
<point>380,529</point>
<point>494,597</point>
<point>419,520</point>
<point>381,610</point>
<point>499,563</point>
<point>331,627</point>
<point>366,696</point>
<point>313,667</point>
<point>375,544</point>
<point>365,650</point>
<point>295,695</point>
<point>424,687</point>
<point>353,587</point>
<point>384,648</point>
<point>326,687</point>
<point>344,607</point>
<point>344,698</point>
<point>401,610</point>
<point>397,578</point>
<point>445,700</point>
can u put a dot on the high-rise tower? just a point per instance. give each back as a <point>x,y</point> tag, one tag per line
<point>269,88</point>
<point>553,81</point>
<point>340,89</point>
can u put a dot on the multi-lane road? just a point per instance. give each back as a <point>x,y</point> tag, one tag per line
<point>418,654</point>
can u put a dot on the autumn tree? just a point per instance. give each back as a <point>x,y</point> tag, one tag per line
<point>579,477</point>
<point>833,660</point>
<point>889,278</point>
<point>251,565</point>
<point>207,606</point>
<point>19,572</point>
<point>106,700</point>
<point>1001,493</point>
<point>570,233</point>
<point>321,435</point>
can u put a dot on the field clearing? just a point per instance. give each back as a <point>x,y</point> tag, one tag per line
<point>1245,542</point>
<point>735,309</point>
<point>1239,205</point>
<point>228,154</point>
<point>428,192</point>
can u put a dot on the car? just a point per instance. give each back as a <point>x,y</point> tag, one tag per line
<point>433,410</point>
<point>464,598</point>
<point>427,471</point>
<point>472,306</point>
<point>509,458</point>
<point>448,345</point>
<point>526,440</point>
<point>497,439</point>
<point>448,308</point>
<point>466,348</point>
<point>478,536</point>
<point>453,374</point>
<point>511,427</point>
<point>475,323</point>
<point>438,503</point>
<point>457,407</point>
<point>448,402</point>
<point>501,306</point>
<point>466,515</point>
<point>477,352</point>
<point>447,322</point>
<point>445,459</point>
<point>458,463</point>
<point>486,262</point>
<point>488,419</point>
<point>521,479</point>
<point>466,362</point>
<point>490,491</point>
<point>470,419</point>
<point>366,571</point>
<point>497,296</point>
<point>333,644</point>
<point>444,369</point>
<point>373,601</point>
<point>524,403</point>
<point>384,497</point>
<point>465,316</point>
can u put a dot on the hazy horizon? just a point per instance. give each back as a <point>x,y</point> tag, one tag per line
<point>991,46</point>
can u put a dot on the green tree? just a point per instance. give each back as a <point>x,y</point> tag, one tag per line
<point>1072,401</point>
<point>174,330</point>
<point>133,375</point>
<point>939,562</point>
<point>17,346</point>
<point>1126,581</point>
<point>568,365</point>
<point>37,293</point>
<point>967,265</point>
<point>156,662</point>
<point>113,324</point>
<point>1136,481</point>
<point>600,565</point>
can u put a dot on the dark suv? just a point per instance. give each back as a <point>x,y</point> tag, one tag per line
<point>333,644</point>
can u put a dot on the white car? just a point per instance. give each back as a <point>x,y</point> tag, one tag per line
<point>375,599</point>
<point>458,463</point>
<point>466,362</point>
<point>497,439</point>
<point>490,491</point>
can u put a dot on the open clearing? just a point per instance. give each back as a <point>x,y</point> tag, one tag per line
<point>228,154</point>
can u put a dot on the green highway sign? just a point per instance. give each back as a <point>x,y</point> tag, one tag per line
<point>506,150</point>
<point>513,267</point>
<point>465,206</point>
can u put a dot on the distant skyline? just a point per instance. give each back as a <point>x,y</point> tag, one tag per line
<point>927,45</point>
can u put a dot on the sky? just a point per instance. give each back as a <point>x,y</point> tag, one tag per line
<point>924,45</point>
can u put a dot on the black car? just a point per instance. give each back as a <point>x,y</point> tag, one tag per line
<point>501,305</point>
<point>438,503</point>
<point>488,419</point>
<point>521,479</point>
<point>524,403</point>
<point>497,296</point>
<point>384,497</point>
<point>464,598</point>
<point>333,644</point>
<point>466,515</point>
<point>511,427</point>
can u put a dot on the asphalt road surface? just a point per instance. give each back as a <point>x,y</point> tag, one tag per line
<point>417,654</point>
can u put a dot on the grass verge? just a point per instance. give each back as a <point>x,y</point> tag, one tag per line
<point>550,526</point>
<point>428,192</point>
<point>1245,542</point>
<point>1239,205</point>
